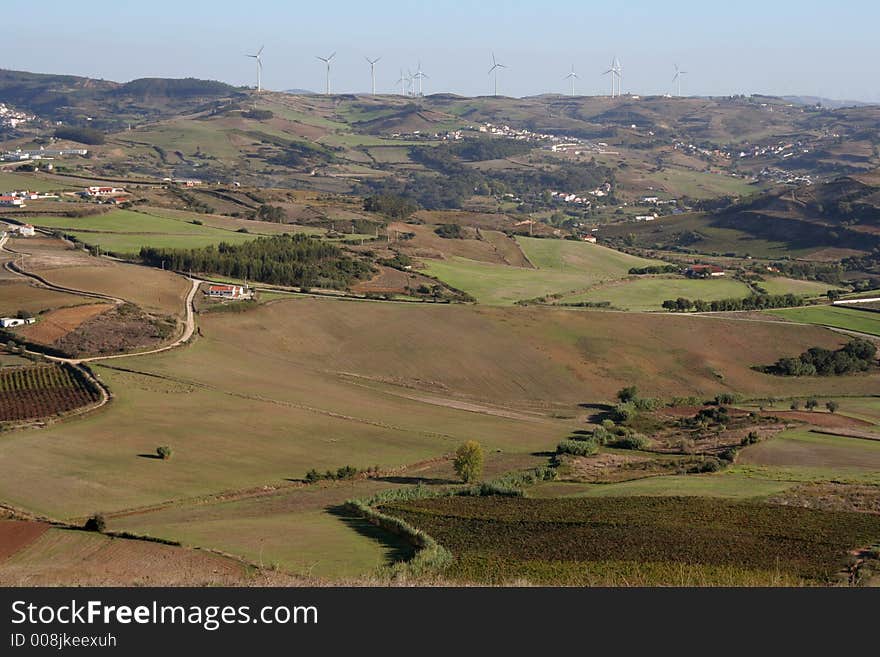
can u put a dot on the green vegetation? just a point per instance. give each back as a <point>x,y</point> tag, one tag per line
<point>856,356</point>
<point>82,135</point>
<point>561,266</point>
<point>521,531</point>
<point>468,462</point>
<point>850,319</point>
<point>164,452</point>
<point>279,260</point>
<point>752,302</point>
<point>650,293</point>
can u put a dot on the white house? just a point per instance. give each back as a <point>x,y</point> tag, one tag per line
<point>10,322</point>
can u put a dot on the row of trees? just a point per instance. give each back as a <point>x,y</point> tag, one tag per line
<point>279,260</point>
<point>753,302</point>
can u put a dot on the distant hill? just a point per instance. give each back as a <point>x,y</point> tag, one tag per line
<point>108,105</point>
<point>825,102</point>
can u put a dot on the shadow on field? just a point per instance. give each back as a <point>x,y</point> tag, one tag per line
<point>150,456</point>
<point>398,549</point>
<point>600,412</point>
<point>426,481</point>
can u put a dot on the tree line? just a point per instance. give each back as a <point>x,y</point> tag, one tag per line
<point>856,356</point>
<point>295,260</point>
<point>753,302</point>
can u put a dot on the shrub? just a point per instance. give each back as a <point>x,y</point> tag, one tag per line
<point>631,441</point>
<point>468,462</point>
<point>811,403</point>
<point>623,413</point>
<point>96,523</point>
<point>627,394</point>
<point>726,398</point>
<point>164,452</point>
<point>832,406</point>
<point>577,447</point>
<point>751,439</point>
<point>795,405</point>
<point>601,436</point>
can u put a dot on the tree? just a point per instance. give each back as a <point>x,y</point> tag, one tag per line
<point>163,452</point>
<point>810,404</point>
<point>832,406</point>
<point>833,295</point>
<point>795,405</point>
<point>627,394</point>
<point>469,461</point>
<point>96,523</point>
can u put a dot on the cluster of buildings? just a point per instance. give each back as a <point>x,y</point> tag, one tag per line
<point>11,118</point>
<point>12,322</point>
<point>20,155</point>
<point>109,195</point>
<point>703,271</point>
<point>229,292</point>
<point>783,177</point>
<point>693,149</point>
<point>17,198</point>
<point>570,198</point>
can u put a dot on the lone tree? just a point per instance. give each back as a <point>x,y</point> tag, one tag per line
<point>163,452</point>
<point>627,394</point>
<point>469,461</point>
<point>811,404</point>
<point>95,523</point>
<point>832,406</point>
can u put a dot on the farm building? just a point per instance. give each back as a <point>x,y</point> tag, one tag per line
<point>228,292</point>
<point>25,230</point>
<point>703,271</point>
<point>11,201</point>
<point>104,191</point>
<point>590,238</point>
<point>11,322</point>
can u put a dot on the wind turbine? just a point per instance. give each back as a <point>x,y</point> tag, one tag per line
<point>615,72</point>
<point>494,69</point>
<point>419,75</point>
<point>572,76</point>
<point>677,78</point>
<point>402,83</point>
<point>373,71</point>
<point>327,60</point>
<point>259,58</point>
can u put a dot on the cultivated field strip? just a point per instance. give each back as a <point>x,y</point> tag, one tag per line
<point>28,393</point>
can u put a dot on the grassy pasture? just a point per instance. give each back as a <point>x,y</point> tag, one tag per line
<point>699,184</point>
<point>804,448</point>
<point>782,285</point>
<point>15,296</point>
<point>836,316</point>
<point>650,293</point>
<point>126,231</point>
<point>11,181</point>
<point>561,266</point>
<point>488,534</point>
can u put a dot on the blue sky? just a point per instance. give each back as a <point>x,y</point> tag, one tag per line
<point>773,46</point>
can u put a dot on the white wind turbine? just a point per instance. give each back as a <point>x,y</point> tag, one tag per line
<point>419,75</point>
<point>402,83</point>
<point>677,79</point>
<point>259,58</point>
<point>327,61</point>
<point>494,69</point>
<point>615,71</point>
<point>572,76</point>
<point>372,63</point>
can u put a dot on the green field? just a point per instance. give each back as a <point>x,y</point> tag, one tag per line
<point>126,231</point>
<point>10,182</point>
<point>819,451</point>
<point>781,285</point>
<point>699,184</point>
<point>835,316</point>
<point>650,293</point>
<point>561,266</point>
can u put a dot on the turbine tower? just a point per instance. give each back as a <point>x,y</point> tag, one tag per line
<point>494,69</point>
<point>372,63</point>
<point>259,58</point>
<point>402,83</point>
<point>327,60</point>
<point>572,76</point>
<point>615,71</point>
<point>677,79</point>
<point>419,75</point>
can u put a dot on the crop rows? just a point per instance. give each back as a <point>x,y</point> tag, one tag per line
<point>28,393</point>
<point>687,531</point>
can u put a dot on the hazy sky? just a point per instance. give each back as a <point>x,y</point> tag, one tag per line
<point>779,47</point>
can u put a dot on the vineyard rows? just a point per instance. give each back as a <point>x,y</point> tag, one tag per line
<point>28,393</point>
